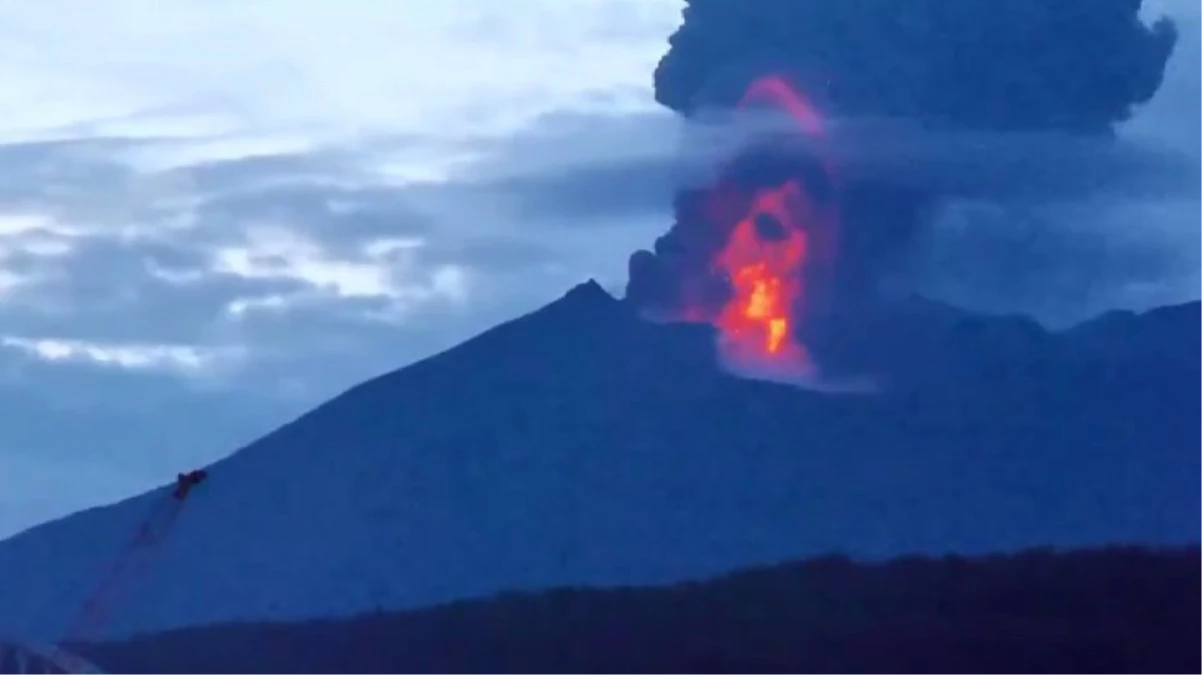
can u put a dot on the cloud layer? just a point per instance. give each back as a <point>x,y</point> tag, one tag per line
<point>239,209</point>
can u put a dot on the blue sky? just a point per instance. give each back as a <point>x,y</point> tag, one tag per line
<point>216,214</point>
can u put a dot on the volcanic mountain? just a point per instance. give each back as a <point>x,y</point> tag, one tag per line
<point>582,445</point>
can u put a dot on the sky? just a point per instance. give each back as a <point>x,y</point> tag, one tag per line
<point>215,215</point>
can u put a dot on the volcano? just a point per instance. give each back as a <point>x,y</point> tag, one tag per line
<point>583,445</point>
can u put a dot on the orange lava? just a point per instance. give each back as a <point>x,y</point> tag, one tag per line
<point>765,256</point>
<point>764,272</point>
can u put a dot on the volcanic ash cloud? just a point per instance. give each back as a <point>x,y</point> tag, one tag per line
<point>785,248</point>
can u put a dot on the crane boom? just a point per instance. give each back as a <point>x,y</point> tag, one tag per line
<point>121,572</point>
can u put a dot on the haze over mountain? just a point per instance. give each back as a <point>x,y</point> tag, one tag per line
<point>581,445</point>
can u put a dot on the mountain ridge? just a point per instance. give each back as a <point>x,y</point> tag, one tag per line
<point>580,445</point>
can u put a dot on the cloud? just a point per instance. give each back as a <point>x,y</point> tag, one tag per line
<point>599,170</point>
<point>318,70</point>
<point>132,356</point>
<point>1023,64</point>
<point>576,169</point>
<point>163,189</point>
<point>237,210</point>
<point>200,260</point>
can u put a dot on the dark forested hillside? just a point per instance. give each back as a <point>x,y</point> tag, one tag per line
<point>1101,610</point>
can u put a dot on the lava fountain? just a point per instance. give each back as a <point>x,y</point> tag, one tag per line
<point>777,246</point>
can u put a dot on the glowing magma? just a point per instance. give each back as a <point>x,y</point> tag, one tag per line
<point>764,272</point>
<point>765,255</point>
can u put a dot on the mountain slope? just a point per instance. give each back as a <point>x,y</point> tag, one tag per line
<point>580,445</point>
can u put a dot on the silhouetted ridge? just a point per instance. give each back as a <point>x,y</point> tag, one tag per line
<point>580,445</point>
<point>1111,610</point>
<point>1172,333</point>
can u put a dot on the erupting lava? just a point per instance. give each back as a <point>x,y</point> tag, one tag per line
<point>766,253</point>
<point>763,259</point>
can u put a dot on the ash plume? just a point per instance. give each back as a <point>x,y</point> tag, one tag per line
<point>1066,70</point>
<point>985,64</point>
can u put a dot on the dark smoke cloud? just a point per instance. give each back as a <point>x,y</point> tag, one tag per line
<point>983,64</point>
<point>1001,98</point>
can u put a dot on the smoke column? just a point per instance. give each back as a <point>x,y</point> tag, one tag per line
<point>1073,66</point>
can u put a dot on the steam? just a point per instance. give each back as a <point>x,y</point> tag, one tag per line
<point>1014,100</point>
